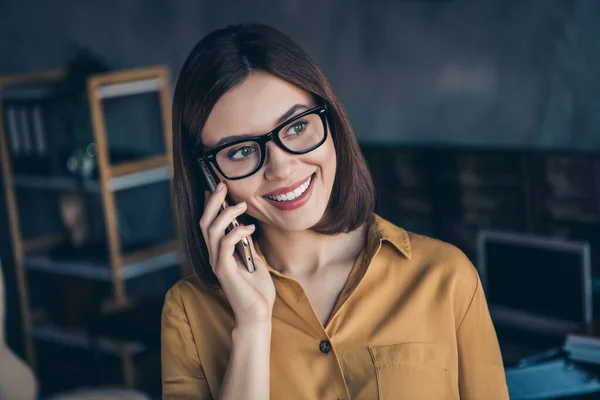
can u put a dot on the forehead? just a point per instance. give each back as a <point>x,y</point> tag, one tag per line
<point>252,107</point>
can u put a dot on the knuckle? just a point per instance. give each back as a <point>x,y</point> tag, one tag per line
<point>235,235</point>
<point>237,231</point>
<point>212,230</point>
<point>231,212</point>
<point>215,264</point>
<point>218,271</point>
<point>203,231</point>
<point>225,244</point>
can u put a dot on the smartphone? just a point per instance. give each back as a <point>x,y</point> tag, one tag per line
<point>242,247</point>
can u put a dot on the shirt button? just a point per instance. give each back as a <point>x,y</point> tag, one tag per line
<point>325,346</point>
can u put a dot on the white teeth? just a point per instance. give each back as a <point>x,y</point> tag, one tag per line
<point>292,195</point>
<point>289,196</point>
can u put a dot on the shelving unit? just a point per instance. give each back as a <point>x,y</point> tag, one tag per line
<point>22,135</point>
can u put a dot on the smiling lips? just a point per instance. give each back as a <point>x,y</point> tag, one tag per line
<point>291,195</point>
<point>291,198</point>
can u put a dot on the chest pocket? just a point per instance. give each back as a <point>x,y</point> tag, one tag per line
<point>411,371</point>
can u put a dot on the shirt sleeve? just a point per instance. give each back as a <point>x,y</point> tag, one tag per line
<point>481,371</point>
<point>182,373</point>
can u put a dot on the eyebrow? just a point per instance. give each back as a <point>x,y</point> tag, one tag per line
<point>285,116</point>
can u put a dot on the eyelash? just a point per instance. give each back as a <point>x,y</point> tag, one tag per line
<point>232,152</point>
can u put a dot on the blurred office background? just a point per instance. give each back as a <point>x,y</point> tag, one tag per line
<point>480,120</point>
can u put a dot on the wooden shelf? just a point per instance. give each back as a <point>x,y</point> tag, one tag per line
<point>129,88</point>
<point>52,333</point>
<point>43,242</point>
<point>133,167</point>
<point>31,79</point>
<point>135,265</point>
<point>125,76</point>
<point>121,182</point>
<point>51,183</point>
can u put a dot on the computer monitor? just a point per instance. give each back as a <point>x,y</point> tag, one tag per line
<point>536,284</point>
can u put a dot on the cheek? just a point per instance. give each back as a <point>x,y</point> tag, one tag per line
<point>329,159</point>
<point>242,190</point>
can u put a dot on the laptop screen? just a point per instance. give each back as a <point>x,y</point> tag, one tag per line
<point>536,277</point>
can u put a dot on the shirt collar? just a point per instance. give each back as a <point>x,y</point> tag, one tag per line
<point>383,230</point>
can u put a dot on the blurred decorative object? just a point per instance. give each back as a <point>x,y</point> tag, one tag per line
<point>71,97</point>
<point>73,210</point>
<point>73,113</point>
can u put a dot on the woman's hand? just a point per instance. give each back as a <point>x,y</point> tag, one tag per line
<point>251,295</point>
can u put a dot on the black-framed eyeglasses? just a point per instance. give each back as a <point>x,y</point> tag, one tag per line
<point>298,135</point>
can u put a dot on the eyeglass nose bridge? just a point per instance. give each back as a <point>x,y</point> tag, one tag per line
<point>267,138</point>
<point>271,136</point>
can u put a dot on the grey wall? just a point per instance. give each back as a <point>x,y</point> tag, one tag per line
<point>491,72</point>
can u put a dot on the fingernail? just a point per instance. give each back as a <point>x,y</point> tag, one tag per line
<point>220,186</point>
<point>250,227</point>
<point>241,205</point>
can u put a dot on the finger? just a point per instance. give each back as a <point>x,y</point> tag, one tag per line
<point>227,248</point>
<point>212,208</point>
<point>216,231</point>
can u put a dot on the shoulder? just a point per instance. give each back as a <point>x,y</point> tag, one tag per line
<point>443,254</point>
<point>427,253</point>
<point>442,265</point>
<point>445,258</point>
<point>449,269</point>
<point>440,269</point>
<point>189,290</point>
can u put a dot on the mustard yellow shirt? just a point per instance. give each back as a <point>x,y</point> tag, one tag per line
<point>411,323</point>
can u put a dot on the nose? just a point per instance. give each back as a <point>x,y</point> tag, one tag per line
<point>279,165</point>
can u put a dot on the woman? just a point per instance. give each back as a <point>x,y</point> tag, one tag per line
<point>343,304</point>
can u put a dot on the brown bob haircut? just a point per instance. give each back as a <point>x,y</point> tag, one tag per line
<point>221,61</point>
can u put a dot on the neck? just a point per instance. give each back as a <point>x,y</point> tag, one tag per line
<point>305,253</point>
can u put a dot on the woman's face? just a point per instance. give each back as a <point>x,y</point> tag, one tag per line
<point>254,108</point>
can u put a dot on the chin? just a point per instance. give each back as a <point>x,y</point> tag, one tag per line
<point>302,223</point>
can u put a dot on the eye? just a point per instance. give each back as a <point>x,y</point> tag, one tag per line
<point>240,153</point>
<point>297,128</point>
